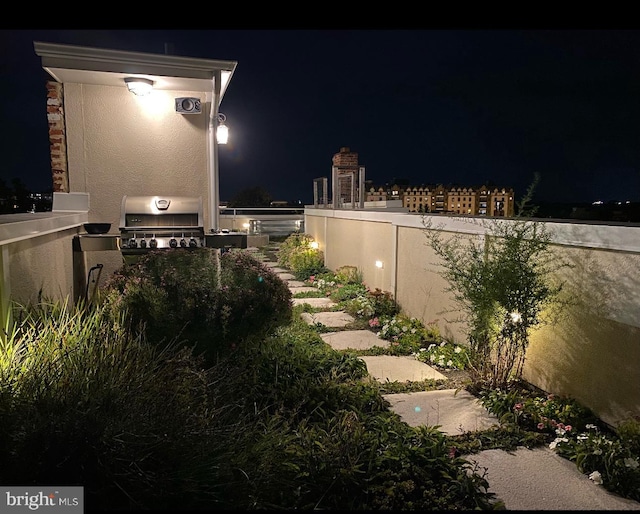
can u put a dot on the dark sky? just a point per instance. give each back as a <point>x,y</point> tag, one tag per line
<point>431,106</point>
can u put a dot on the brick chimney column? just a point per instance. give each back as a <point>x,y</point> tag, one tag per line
<point>57,137</point>
<point>346,163</point>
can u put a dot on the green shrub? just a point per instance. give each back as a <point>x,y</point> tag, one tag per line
<point>360,306</point>
<point>343,292</point>
<point>323,431</point>
<point>296,254</point>
<point>85,401</point>
<point>292,244</point>
<point>534,410</point>
<point>503,284</point>
<point>213,303</point>
<point>383,303</point>
<point>349,275</point>
<point>306,262</point>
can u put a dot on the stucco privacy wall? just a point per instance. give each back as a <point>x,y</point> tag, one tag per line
<point>591,353</point>
<point>42,263</point>
<point>421,293</point>
<point>359,241</point>
<point>121,144</point>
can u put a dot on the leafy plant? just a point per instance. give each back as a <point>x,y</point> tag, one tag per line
<point>503,285</point>
<point>344,292</point>
<point>445,355</point>
<point>383,302</point>
<point>85,400</point>
<point>305,262</point>
<point>349,275</point>
<point>211,302</point>
<point>611,461</point>
<point>290,245</point>
<point>360,306</point>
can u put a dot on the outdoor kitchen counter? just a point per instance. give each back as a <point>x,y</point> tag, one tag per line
<point>27,225</point>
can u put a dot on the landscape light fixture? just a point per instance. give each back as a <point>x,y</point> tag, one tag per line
<point>222,132</point>
<point>139,86</point>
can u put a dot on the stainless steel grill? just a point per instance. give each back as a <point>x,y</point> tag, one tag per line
<point>160,222</point>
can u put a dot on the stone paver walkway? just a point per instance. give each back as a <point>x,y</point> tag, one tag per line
<point>318,303</point>
<point>400,369</point>
<point>354,339</point>
<point>525,479</point>
<point>456,412</point>
<point>330,319</point>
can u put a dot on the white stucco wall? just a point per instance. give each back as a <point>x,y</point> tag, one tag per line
<point>121,144</point>
<point>591,352</point>
<point>43,264</point>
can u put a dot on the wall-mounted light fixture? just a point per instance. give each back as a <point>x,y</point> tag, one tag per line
<point>222,131</point>
<point>314,245</point>
<point>139,86</point>
<point>379,264</point>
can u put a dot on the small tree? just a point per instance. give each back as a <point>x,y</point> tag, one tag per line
<point>503,283</point>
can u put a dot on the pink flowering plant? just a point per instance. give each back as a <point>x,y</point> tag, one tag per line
<point>325,282</point>
<point>610,458</point>
<point>536,411</point>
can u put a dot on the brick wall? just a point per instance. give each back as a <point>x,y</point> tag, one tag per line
<point>348,170</point>
<point>57,137</point>
<point>346,159</point>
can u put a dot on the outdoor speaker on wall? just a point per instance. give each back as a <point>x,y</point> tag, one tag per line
<point>188,105</point>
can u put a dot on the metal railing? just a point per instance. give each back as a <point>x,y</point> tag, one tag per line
<point>276,221</point>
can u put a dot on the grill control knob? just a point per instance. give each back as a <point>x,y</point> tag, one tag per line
<point>183,243</point>
<point>133,243</point>
<point>173,243</point>
<point>193,243</point>
<point>143,243</point>
<point>153,243</point>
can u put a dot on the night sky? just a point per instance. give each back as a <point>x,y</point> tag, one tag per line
<point>452,106</point>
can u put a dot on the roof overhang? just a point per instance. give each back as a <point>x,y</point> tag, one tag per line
<point>86,65</point>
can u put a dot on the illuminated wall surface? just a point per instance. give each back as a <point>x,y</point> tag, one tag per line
<point>592,351</point>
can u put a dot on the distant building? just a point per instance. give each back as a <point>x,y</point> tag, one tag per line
<point>482,200</point>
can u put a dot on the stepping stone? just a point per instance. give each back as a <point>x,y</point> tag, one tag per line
<point>455,412</point>
<point>329,319</point>
<point>297,283</point>
<point>276,269</point>
<point>286,276</point>
<point>400,369</point>
<point>301,289</point>
<point>539,479</point>
<point>354,339</point>
<point>270,264</point>
<point>314,302</point>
